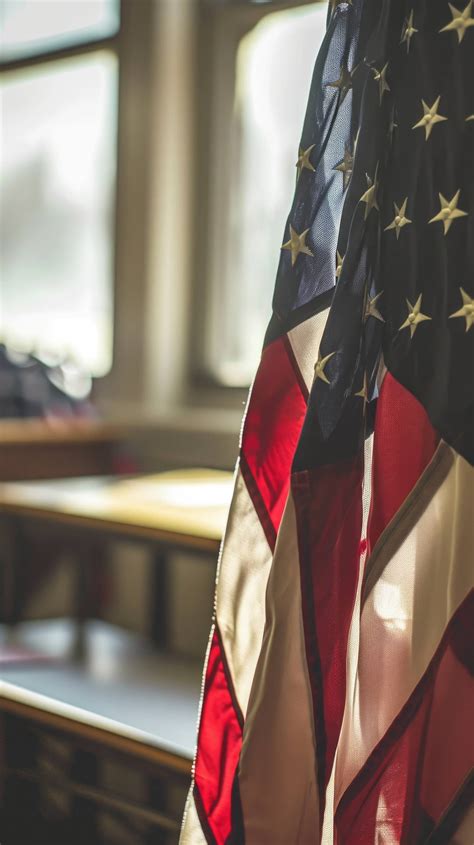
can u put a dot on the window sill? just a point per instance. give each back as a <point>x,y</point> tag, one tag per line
<point>180,436</point>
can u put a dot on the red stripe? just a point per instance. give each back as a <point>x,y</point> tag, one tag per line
<point>272,427</point>
<point>274,418</point>
<point>419,766</point>
<point>404,443</point>
<point>219,744</point>
<point>296,369</point>
<point>329,516</point>
<point>258,503</point>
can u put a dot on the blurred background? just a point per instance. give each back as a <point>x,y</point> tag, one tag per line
<point>147,166</point>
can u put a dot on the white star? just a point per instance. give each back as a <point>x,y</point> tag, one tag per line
<point>319,368</point>
<point>370,196</point>
<point>461,20</point>
<point>467,310</point>
<point>379,76</point>
<point>297,244</point>
<point>371,309</point>
<point>408,30</point>
<point>304,159</point>
<point>363,392</point>
<point>400,219</point>
<point>344,83</point>
<point>448,211</point>
<point>430,117</point>
<point>345,166</point>
<point>339,263</point>
<point>415,316</point>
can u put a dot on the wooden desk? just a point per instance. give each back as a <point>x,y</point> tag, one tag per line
<point>184,509</point>
<point>128,711</point>
<point>36,448</point>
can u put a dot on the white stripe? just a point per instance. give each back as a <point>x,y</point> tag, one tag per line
<point>246,556</point>
<point>277,773</point>
<point>191,831</point>
<point>406,614</point>
<point>305,340</point>
<point>240,595</point>
<point>244,565</point>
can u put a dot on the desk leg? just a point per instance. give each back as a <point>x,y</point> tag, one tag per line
<point>13,558</point>
<point>80,606</point>
<point>159,599</point>
<point>84,561</point>
<point>7,567</point>
<point>90,562</point>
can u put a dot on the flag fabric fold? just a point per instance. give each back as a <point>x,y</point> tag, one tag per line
<point>338,691</point>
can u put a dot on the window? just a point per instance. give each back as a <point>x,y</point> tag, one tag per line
<point>258,102</point>
<point>28,27</point>
<point>58,101</point>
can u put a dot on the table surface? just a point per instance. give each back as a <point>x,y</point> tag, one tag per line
<point>183,506</point>
<point>124,687</point>
<point>26,432</point>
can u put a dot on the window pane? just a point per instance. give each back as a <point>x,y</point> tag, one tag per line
<point>275,63</point>
<point>33,26</point>
<point>57,170</point>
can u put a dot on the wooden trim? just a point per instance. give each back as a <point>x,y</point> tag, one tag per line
<point>97,736</point>
<point>110,42</point>
<point>111,527</point>
<point>221,27</point>
<point>25,432</point>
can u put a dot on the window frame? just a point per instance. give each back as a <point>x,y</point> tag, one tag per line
<point>133,46</point>
<point>156,370</point>
<point>87,45</point>
<point>220,21</point>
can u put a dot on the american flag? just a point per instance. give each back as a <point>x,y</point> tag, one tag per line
<point>338,697</point>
